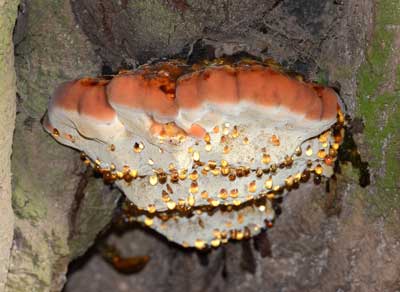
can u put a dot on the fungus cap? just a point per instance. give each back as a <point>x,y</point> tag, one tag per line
<point>180,139</point>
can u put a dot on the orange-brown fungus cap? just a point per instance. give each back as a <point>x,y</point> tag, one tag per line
<point>86,97</point>
<point>256,84</point>
<point>150,94</point>
<point>187,92</point>
<point>218,85</point>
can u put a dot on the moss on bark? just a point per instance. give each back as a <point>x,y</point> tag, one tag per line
<point>379,106</point>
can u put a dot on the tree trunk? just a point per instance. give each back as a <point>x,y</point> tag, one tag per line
<point>8,13</point>
<point>344,239</point>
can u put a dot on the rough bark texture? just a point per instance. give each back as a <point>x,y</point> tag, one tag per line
<point>59,206</point>
<point>8,14</point>
<point>342,240</point>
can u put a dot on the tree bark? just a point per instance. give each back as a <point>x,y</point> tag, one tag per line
<point>8,13</point>
<point>344,239</point>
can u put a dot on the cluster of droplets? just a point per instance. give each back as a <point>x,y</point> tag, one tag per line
<point>264,199</point>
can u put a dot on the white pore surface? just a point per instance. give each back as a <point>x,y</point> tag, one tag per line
<point>255,124</point>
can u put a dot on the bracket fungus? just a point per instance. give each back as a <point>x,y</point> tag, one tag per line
<point>202,150</point>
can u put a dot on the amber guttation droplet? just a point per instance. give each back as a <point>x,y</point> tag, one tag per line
<point>171,205</point>
<point>151,208</point>
<point>214,203</point>
<point>305,176</point>
<point>321,153</point>
<point>171,166</point>
<point>120,175</point>
<point>194,175</point>
<point>269,224</point>
<point>216,233</point>
<point>212,164</point>
<point>162,177</point>
<point>169,189</point>
<point>324,137</point>
<point>207,138</point>
<point>226,149</point>
<point>223,194</point>
<point>127,177</point>
<point>275,140</point>
<point>252,188</point>
<point>165,196</point>
<point>235,132</point>
<point>289,181</point>
<point>174,177</point>
<point>200,244</point>
<point>181,202</point>
<point>332,152</point>
<point>56,133</point>
<point>148,221</point>
<point>276,188</point>
<point>204,171</point>
<point>318,169</point>
<point>194,187</point>
<point>138,147</point>
<point>268,183</point>
<point>182,174</point>
<point>309,151</point>
<point>204,195</point>
<point>225,171</point>
<point>328,160</point>
<point>237,202</point>
<point>232,177</point>
<point>234,193</point>
<point>97,168</point>
<point>288,160</point>
<point>240,218</point>
<point>190,201</point>
<point>153,179</point>
<point>239,235</point>
<point>196,156</point>
<point>133,173</point>
<point>215,242</point>
<point>247,232</point>
<point>266,158</point>
<point>216,171</point>
<point>271,196</point>
<point>232,234</point>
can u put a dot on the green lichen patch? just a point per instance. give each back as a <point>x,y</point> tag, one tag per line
<point>379,106</point>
